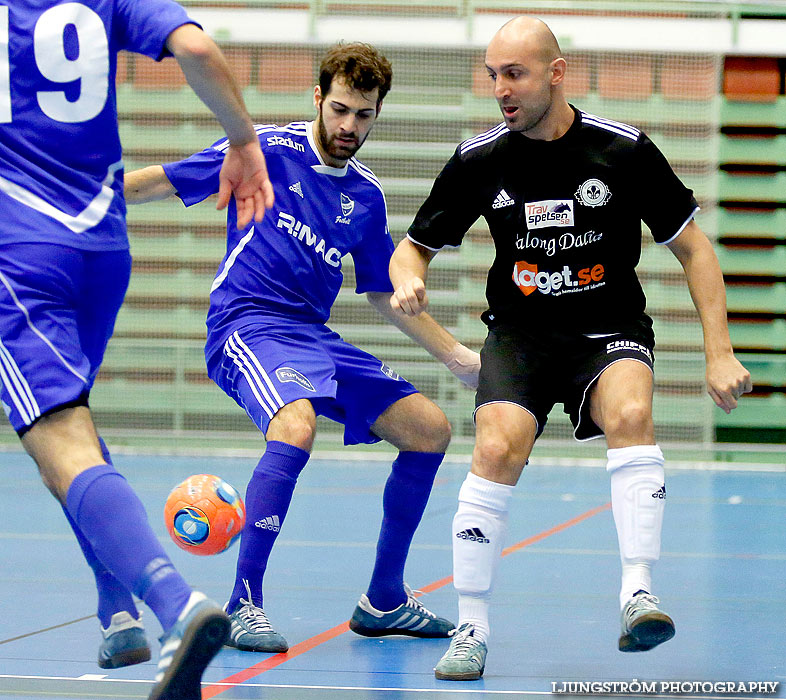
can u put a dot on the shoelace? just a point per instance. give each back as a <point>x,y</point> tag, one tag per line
<point>463,645</point>
<point>254,617</point>
<point>414,604</point>
<point>643,601</point>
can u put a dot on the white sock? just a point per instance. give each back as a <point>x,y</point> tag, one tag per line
<point>638,497</point>
<point>479,529</point>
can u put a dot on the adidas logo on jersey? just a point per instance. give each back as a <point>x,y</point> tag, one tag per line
<point>502,200</point>
<point>473,534</point>
<point>297,189</point>
<point>271,523</point>
<point>660,493</point>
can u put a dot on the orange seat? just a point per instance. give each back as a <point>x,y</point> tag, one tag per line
<point>751,79</point>
<point>286,70</point>
<point>157,75</point>
<point>123,59</point>
<point>689,77</point>
<point>578,78</point>
<point>239,60</point>
<point>627,77</point>
<point>482,84</point>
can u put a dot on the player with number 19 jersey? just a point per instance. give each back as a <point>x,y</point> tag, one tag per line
<point>288,266</point>
<point>61,168</point>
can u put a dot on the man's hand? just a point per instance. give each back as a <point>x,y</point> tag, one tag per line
<point>244,174</point>
<point>465,365</point>
<point>727,380</point>
<point>410,298</point>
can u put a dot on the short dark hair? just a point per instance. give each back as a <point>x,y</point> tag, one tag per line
<point>359,65</point>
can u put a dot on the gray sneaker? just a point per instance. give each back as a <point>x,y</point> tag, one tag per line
<point>465,658</point>
<point>644,626</point>
<point>124,642</point>
<point>411,618</point>
<point>251,630</point>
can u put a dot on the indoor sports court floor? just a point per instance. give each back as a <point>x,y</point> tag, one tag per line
<point>722,577</point>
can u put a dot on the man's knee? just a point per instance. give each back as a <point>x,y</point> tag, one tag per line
<point>295,424</point>
<point>494,456</point>
<point>631,419</point>
<point>414,424</point>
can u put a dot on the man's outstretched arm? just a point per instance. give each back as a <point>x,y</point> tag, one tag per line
<point>147,185</point>
<point>727,379</point>
<point>244,172</point>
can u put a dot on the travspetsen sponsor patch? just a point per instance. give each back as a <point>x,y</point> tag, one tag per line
<point>549,212</point>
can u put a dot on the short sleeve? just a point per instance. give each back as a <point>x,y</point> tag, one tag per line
<point>145,25</point>
<point>196,177</point>
<point>372,255</point>
<point>450,209</point>
<point>666,205</point>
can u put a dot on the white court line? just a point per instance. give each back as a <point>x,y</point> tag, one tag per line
<point>476,691</point>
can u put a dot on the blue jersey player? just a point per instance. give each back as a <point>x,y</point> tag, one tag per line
<point>268,346</point>
<point>64,268</point>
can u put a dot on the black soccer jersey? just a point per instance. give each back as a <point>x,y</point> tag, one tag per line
<point>565,216</point>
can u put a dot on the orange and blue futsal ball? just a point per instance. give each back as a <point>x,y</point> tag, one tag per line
<point>204,515</point>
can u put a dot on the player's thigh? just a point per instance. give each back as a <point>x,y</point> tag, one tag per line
<point>265,370</point>
<point>517,369</point>
<point>621,403</point>
<point>103,289</point>
<point>42,362</point>
<point>63,444</point>
<point>414,423</point>
<point>367,388</point>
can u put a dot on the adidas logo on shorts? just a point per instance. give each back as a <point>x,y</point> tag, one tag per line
<point>271,523</point>
<point>473,534</point>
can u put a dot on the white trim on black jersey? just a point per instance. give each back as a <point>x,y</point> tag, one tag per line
<point>434,250</point>
<point>629,132</point>
<point>682,228</point>
<point>485,137</point>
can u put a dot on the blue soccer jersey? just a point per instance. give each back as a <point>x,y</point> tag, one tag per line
<point>61,168</point>
<point>288,266</point>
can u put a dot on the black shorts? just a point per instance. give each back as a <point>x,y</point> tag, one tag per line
<point>536,371</point>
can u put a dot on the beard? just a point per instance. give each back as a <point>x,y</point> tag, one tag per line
<point>526,120</point>
<point>329,145</point>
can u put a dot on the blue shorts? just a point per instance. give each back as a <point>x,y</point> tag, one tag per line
<point>263,367</point>
<point>57,310</point>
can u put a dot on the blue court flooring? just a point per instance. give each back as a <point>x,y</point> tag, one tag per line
<point>722,577</point>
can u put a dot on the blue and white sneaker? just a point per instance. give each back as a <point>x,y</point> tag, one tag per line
<point>251,630</point>
<point>410,618</point>
<point>644,626</point>
<point>124,642</point>
<point>187,649</point>
<point>465,658</point>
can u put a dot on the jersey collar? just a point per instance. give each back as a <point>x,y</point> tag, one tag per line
<point>322,168</point>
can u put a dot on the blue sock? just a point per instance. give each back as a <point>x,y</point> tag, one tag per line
<point>403,502</point>
<point>268,496</point>
<point>113,596</point>
<point>112,519</point>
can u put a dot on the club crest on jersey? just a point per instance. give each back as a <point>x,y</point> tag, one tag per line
<point>593,193</point>
<point>388,372</point>
<point>549,212</point>
<point>347,207</point>
<point>287,374</point>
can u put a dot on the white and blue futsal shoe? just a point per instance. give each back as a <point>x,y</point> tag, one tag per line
<point>125,643</point>
<point>644,625</point>
<point>410,618</point>
<point>187,649</point>
<point>465,658</point>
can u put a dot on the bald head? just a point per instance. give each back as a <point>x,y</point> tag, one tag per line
<point>527,37</point>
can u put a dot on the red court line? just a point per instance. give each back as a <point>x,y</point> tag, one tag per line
<point>278,659</point>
